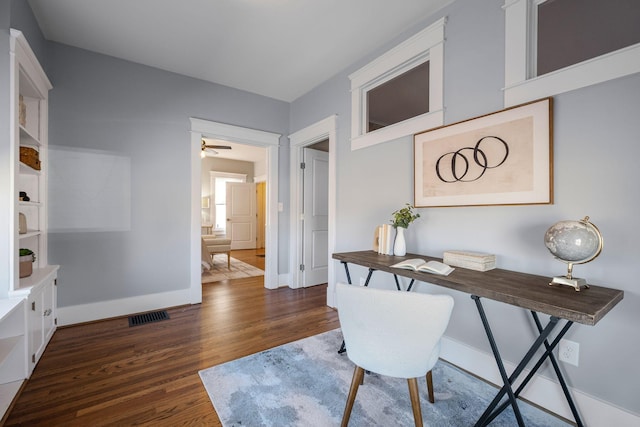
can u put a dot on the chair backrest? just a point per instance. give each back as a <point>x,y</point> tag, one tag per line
<point>392,333</point>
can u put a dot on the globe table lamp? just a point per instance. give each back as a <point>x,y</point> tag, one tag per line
<point>573,242</point>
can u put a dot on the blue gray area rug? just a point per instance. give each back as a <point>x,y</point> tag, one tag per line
<point>305,383</point>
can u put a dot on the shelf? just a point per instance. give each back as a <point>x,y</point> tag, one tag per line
<point>39,276</point>
<point>7,306</point>
<point>29,233</point>
<point>28,139</point>
<point>28,170</point>
<point>7,345</point>
<point>33,204</point>
<point>7,393</point>
<point>12,340</point>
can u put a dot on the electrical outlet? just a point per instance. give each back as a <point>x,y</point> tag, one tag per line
<point>569,352</point>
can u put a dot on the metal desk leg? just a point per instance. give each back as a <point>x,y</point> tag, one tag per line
<point>491,412</point>
<point>397,282</point>
<point>556,368</point>
<point>346,270</point>
<point>503,373</point>
<point>548,353</point>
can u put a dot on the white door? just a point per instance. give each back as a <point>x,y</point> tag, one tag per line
<point>241,215</point>
<point>315,234</point>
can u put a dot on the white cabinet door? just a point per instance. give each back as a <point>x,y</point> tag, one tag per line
<point>49,314</point>
<point>34,320</point>
<point>41,319</point>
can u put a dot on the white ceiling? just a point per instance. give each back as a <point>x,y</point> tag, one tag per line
<point>277,48</point>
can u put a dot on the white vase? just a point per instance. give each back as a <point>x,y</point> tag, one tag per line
<point>400,246</point>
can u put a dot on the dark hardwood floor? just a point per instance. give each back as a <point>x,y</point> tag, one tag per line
<point>108,374</point>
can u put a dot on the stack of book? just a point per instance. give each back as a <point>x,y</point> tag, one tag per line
<point>471,260</point>
<point>383,239</point>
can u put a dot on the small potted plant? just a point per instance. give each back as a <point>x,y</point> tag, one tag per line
<point>403,217</point>
<point>27,258</point>
<point>400,221</point>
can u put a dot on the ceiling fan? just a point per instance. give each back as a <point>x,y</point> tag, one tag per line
<point>210,150</point>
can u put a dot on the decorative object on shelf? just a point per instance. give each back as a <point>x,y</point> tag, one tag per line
<point>22,196</point>
<point>22,223</point>
<point>22,111</point>
<point>27,258</point>
<point>401,220</point>
<point>471,260</point>
<point>382,241</point>
<point>400,244</point>
<point>30,157</point>
<point>573,242</point>
<point>502,158</point>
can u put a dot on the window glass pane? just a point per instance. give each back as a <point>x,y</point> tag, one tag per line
<point>401,98</point>
<point>572,31</point>
<point>220,194</point>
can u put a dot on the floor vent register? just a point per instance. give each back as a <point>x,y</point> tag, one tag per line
<point>153,316</point>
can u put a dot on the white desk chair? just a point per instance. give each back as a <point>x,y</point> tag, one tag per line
<point>391,333</point>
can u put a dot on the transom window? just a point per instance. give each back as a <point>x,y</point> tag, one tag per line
<point>554,46</point>
<point>399,99</point>
<point>572,31</point>
<point>401,92</point>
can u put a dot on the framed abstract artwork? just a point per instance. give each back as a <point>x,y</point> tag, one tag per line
<point>502,158</point>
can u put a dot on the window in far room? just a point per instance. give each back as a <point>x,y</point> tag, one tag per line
<point>570,44</point>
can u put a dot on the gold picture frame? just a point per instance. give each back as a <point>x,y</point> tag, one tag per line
<point>502,158</point>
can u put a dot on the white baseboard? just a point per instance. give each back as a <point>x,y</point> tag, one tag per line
<point>122,307</point>
<point>283,280</point>
<point>540,390</point>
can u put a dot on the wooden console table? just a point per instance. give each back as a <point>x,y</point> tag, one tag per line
<point>523,290</point>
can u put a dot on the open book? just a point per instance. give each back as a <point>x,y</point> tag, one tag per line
<point>418,264</point>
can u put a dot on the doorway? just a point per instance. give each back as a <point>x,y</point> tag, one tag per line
<point>322,130</point>
<point>268,140</point>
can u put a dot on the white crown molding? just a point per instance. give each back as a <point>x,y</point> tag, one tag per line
<point>28,60</point>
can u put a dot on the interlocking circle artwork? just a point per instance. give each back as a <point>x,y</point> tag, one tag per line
<point>502,158</point>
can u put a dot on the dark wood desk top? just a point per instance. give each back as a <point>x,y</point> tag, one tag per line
<point>520,289</point>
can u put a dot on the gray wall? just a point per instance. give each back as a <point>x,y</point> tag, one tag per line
<point>100,105</point>
<point>595,149</point>
<point>107,107</point>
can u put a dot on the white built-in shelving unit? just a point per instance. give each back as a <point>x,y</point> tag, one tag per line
<point>28,315</point>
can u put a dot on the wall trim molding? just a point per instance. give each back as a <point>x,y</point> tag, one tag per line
<point>103,310</point>
<point>323,129</point>
<point>271,142</point>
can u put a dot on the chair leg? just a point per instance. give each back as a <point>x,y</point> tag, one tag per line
<point>229,260</point>
<point>415,401</point>
<point>358,375</point>
<point>432,399</point>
